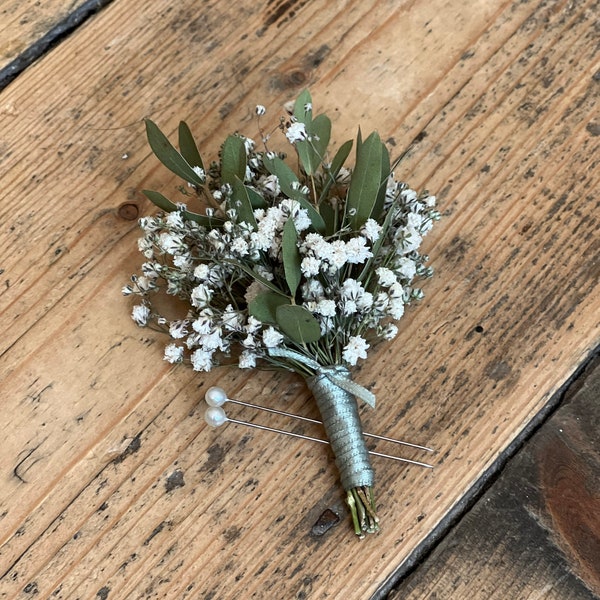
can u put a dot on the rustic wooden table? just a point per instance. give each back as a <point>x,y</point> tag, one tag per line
<point>113,487</point>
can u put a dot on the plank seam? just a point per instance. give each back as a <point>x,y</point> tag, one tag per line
<point>487,479</point>
<point>52,38</point>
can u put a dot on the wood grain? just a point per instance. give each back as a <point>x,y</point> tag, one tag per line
<point>24,23</point>
<point>112,485</point>
<point>536,532</point>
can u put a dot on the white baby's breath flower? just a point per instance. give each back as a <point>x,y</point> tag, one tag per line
<point>386,277</point>
<point>201,296</point>
<point>201,360</point>
<point>270,185</point>
<point>296,132</point>
<point>355,348</point>
<point>272,338</point>
<point>352,289</point>
<point>174,219</point>
<point>247,360</point>
<point>357,251</point>
<point>146,247</point>
<point>338,256</point>
<point>252,325</point>
<point>406,267</point>
<point>173,353</point>
<point>390,331</point>
<point>310,266</point>
<point>200,172</point>
<point>371,230</point>
<point>201,271</point>
<point>140,314</point>
<point>169,242</point>
<point>396,308</point>
<point>178,329</point>
<point>239,246</point>
<point>212,340</point>
<point>326,308</point>
<point>204,322</point>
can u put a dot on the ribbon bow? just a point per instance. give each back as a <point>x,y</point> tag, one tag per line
<point>333,373</point>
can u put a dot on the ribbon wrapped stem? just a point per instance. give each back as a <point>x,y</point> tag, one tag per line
<point>339,412</point>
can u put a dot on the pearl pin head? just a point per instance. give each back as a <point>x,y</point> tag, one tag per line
<point>215,416</point>
<point>215,396</point>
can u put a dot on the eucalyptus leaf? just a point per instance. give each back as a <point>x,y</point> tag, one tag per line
<point>385,174</point>
<point>165,204</point>
<point>264,306</point>
<point>298,323</point>
<point>240,201</point>
<point>284,174</point>
<point>233,160</point>
<point>329,216</point>
<point>366,178</point>
<point>312,151</point>
<point>291,256</point>
<point>168,155</point>
<point>187,146</point>
<point>256,200</point>
<point>336,164</point>
<point>300,113</point>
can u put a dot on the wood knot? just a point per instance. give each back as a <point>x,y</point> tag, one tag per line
<point>128,211</point>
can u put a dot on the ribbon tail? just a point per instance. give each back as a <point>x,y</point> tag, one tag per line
<point>354,388</point>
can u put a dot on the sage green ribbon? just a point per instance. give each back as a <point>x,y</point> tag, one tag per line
<point>331,372</point>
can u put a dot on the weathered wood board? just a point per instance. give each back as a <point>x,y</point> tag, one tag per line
<point>536,532</point>
<point>112,485</point>
<point>24,23</point>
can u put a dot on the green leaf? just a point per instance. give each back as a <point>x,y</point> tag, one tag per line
<point>298,323</point>
<point>364,185</point>
<point>300,113</point>
<point>264,306</point>
<point>187,146</point>
<point>165,204</point>
<point>240,201</point>
<point>291,256</point>
<point>329,216</point>
<point>256,200</point>
<point>385,174</point>
<point>336,164</point>
<point>286,177</point>
<point>340,158</point>
<point>312,152</point>
<point>233,160</point>
<point>168,155</point>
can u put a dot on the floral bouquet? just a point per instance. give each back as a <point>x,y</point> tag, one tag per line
<point>301,269</point>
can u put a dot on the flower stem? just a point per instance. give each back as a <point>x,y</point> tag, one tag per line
<point>361,502</point>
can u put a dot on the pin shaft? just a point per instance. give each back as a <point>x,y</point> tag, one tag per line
<point>308,420</point>
<point>320,441</point>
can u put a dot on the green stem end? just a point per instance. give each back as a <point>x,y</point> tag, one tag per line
<point>361,502</point>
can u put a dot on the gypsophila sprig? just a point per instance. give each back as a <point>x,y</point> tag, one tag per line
<point>304,269</point>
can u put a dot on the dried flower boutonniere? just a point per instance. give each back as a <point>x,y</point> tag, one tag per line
<point>303,270</point>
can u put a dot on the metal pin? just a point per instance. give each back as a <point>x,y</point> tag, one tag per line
<point>215,417</point>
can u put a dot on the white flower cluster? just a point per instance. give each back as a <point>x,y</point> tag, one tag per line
<point>351,284</point>
<point>354,284</point>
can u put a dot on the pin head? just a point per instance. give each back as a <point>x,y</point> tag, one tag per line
<point>215,396</point>
<point>215,416</point>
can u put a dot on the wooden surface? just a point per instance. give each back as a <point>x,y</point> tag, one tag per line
<point>25,23</point>
<point>536,532</point>
<point>112,485</point>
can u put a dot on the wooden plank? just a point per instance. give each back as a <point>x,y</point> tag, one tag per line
<point>26,22</point>
<point>99,433</point>
<point>536,532</point>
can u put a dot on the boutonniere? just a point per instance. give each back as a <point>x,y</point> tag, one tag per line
<point>301,265</point>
